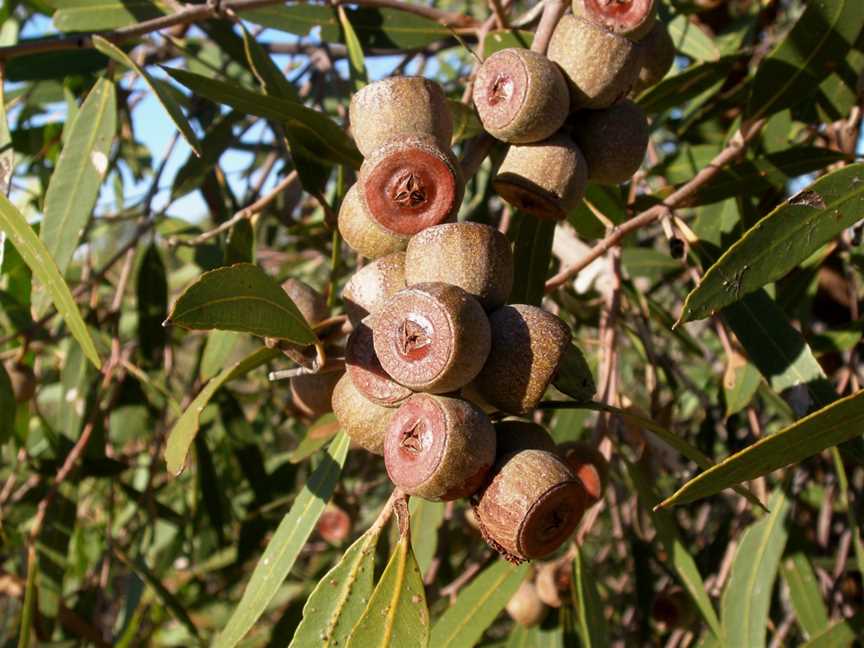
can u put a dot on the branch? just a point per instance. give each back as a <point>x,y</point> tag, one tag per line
<point>678,199</point>
<point>552,13</point>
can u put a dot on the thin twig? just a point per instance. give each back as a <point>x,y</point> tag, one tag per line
<point>552,12</point>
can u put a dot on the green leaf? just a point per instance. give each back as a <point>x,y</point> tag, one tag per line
<point>504,39</point>
<point>83,163</point>
<point>807,55</point>
<point>314,130</point>
<point>7,153</point>
<point>169,103</point>
<point>340,596</point>
<point>38,258</point>
<point>747,596</point>
<point>97,15</point>
<point>740,382</point>
<point>285,545</point>
<point>780,241</point>
<point>356,60</point>
<point>426,519</point>
<point>828,427</point>
<point>477,606</point>
<point>317,435</point>
<point>589,608</point>
<point>240,243</point>
<point>217,350</point>
<point>152,293</point>
<point>691,40</point>
<point>805,595</point>
<point>217,140</point>
<point>241,298</point>
<point>841,633</point>
<point>466,123</point>
<point>375,28</point>
<point>396,614</point>
<point>574,376</point>
<point>532,253</point>
<point>183,433</point>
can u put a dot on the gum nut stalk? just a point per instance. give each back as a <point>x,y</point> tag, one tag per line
<point>366,372</point>
<point>371,286</point>
<point>521,96</point>
<point>432,337</point>
<point>361,232</point>
<point>546,179</point>
<point>410,184</point>
<point>361,419</point>
<point>614,141</point>
<point>631,18</point>
<point>399,107</point>
<point>473,256</point>
<point>601,66</point>
<point>439,448</point>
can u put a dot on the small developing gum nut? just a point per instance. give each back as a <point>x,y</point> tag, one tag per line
<point>23,381</point>
<point>631,18</point>
<point>601,66</point>
<point>411,184</point>
<point>527,346</point>
<point>361,419</point>
<point>371,286</point>
<point>530,506</point>
<point>614,141</point>
<point>432,337</point>
<point>399,107</point>
<point>361,232</point>
<point>521,96</point>
<point>525,606</point>
<point>311,303</point>
<point>553,580</point>
<point>514,435</point>
<point>312,394</point>
<point>366,372</point>
<point>546,179</point>
<point>439,448</point>
<point>334,525</point>
<point>589,465</point>
<point>473,256</point>
<point>658,56</point>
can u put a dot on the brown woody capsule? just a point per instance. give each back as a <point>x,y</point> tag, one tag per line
<point>527,346</point>
<point>658,56</point>
<point>399,107</point>
<point>614,141</point>
<point>372,285</point>
<point>361,419</point>
<point>601,66</point>
<point>553,580</point>
<point>631,18</point>
<point>530,506</point>
<point>312,394</point>
<point>589,465</point>
<point>432,337</point>
<point>439,448</point>
<point>334,525</point>
<point>361,232</point>
<point>411,184</point>
<point>23,381</point>
<point>514,435</point>
<point>366,372</point>
<point>525,607</point>
<point>311,303</point>
<point>473,256</point>
<point>521,96</point>
<point>546,179</point>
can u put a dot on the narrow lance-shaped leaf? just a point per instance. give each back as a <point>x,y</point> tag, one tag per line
<point>285,545</point>
<point>152,294</point>
<point>241,298</point>
<point>356,60</point>
<point>183,433</point>
<point>828,427</point>
<point>477,606</point>
<point>532,253</point>
<point>92,15</point>
<point>804,594</point>
<point>589,608</point>
<point>396,614</point>
<point>166,99</point>
<point>780,241</point>
<point>841,633</point>
<point>7,153</point>
<point>83,163</point>
<point>38,258</point>
<point>426,519</point>
<point>747,596</point>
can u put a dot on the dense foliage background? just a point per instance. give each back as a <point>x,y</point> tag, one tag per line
<point>197,136</point>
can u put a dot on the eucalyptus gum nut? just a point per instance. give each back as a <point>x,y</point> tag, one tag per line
<point>552,579</point>
<point>521,96</point>
<point>514,435</point>
<point>613,140</point>
<point>334,525</point>
<point>399,107</point>
<point>589,465</point>
<point>469,393</point>
<point>361,232</point>
<point>525,606</point>
<point>366,372</point>
<point>658,56</point>
<point>527,346</point>
<point>410,184</point>
<point>631,18</point>
<point>530,506</point>
<point>361,419</point>
<point>432,337</point>
<point>473,256</point>
<point>312,394</point>
<point>601,66</point>
<point>439,448</point>
<point>311,303</point>
<point>371,286</point>
<point>23,381</point>
<point>546,179</point>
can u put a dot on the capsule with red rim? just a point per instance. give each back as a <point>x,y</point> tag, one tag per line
<point>371,286</point>
<point>633,19</point>
<point>366,372</point>
<point>361,232</point>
